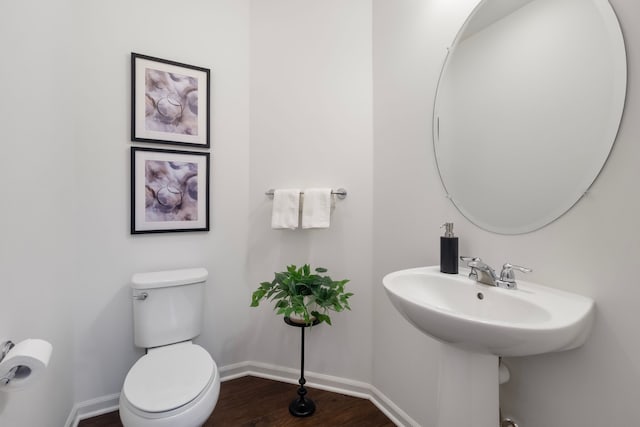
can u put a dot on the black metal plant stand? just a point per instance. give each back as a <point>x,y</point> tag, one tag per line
<point>302,406</point>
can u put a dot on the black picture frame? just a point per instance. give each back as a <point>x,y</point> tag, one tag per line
<point>170,102</point>
<point>169,190</point>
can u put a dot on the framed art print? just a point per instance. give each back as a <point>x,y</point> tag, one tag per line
<point>169,102</point>
<point>169,191</point>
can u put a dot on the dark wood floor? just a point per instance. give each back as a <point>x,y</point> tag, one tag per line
<point>257,402</point>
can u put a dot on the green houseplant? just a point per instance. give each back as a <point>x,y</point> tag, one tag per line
<point>298,291</point>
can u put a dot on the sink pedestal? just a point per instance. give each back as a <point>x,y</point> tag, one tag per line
<point>468,389</point>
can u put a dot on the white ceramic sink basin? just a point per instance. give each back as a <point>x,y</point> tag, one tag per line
<point>532,319</point>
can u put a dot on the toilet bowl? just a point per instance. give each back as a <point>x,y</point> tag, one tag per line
<point>172,386</point>
<point>176,383</point>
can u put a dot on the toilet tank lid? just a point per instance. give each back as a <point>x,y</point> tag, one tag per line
<point>163,279</point>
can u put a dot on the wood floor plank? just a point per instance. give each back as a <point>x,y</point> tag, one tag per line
<point>257,402</point>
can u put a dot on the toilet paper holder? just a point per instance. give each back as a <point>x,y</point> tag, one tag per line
<point>10,375</point>
<point>5,347</point>
<point>23,363</point>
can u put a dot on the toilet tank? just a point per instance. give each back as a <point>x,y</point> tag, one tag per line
<point>172,309</point>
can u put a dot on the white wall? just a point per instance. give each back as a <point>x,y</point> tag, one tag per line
<point>211,34</point>
<point>37,233</point>
<point>591,250</point>
<point>311,126</point>
<point>409,39</point>
<point>311,82</point>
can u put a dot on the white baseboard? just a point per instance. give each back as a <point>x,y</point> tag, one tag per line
<point>92,408</point>
<point>322,382</point>
<point>102,405</point>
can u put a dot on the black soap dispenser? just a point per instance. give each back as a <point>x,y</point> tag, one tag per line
<point>448,250</point>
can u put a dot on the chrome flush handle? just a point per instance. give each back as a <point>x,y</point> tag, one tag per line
<point>143,296</point>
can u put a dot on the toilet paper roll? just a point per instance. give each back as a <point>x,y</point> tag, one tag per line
<point>28,360</point>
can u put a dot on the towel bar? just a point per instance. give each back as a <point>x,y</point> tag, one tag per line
<point>341,193</point>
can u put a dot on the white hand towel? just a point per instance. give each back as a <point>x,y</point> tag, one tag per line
<point>316,208</point>
<point>286,209</point>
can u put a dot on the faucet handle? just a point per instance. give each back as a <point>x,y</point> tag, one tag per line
<point>470,258</point>
<point>507,274</point>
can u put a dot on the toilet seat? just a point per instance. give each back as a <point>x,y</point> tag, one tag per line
<point>168,377</point>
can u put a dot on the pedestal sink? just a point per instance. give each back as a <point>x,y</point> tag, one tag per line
<point>477,324</point>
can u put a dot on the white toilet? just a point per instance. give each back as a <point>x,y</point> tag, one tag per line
<point>176,383</point>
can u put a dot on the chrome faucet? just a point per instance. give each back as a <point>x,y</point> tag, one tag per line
<point>483,273</point>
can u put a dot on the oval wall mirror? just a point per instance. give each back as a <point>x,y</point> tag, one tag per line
<point>527,109</point>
